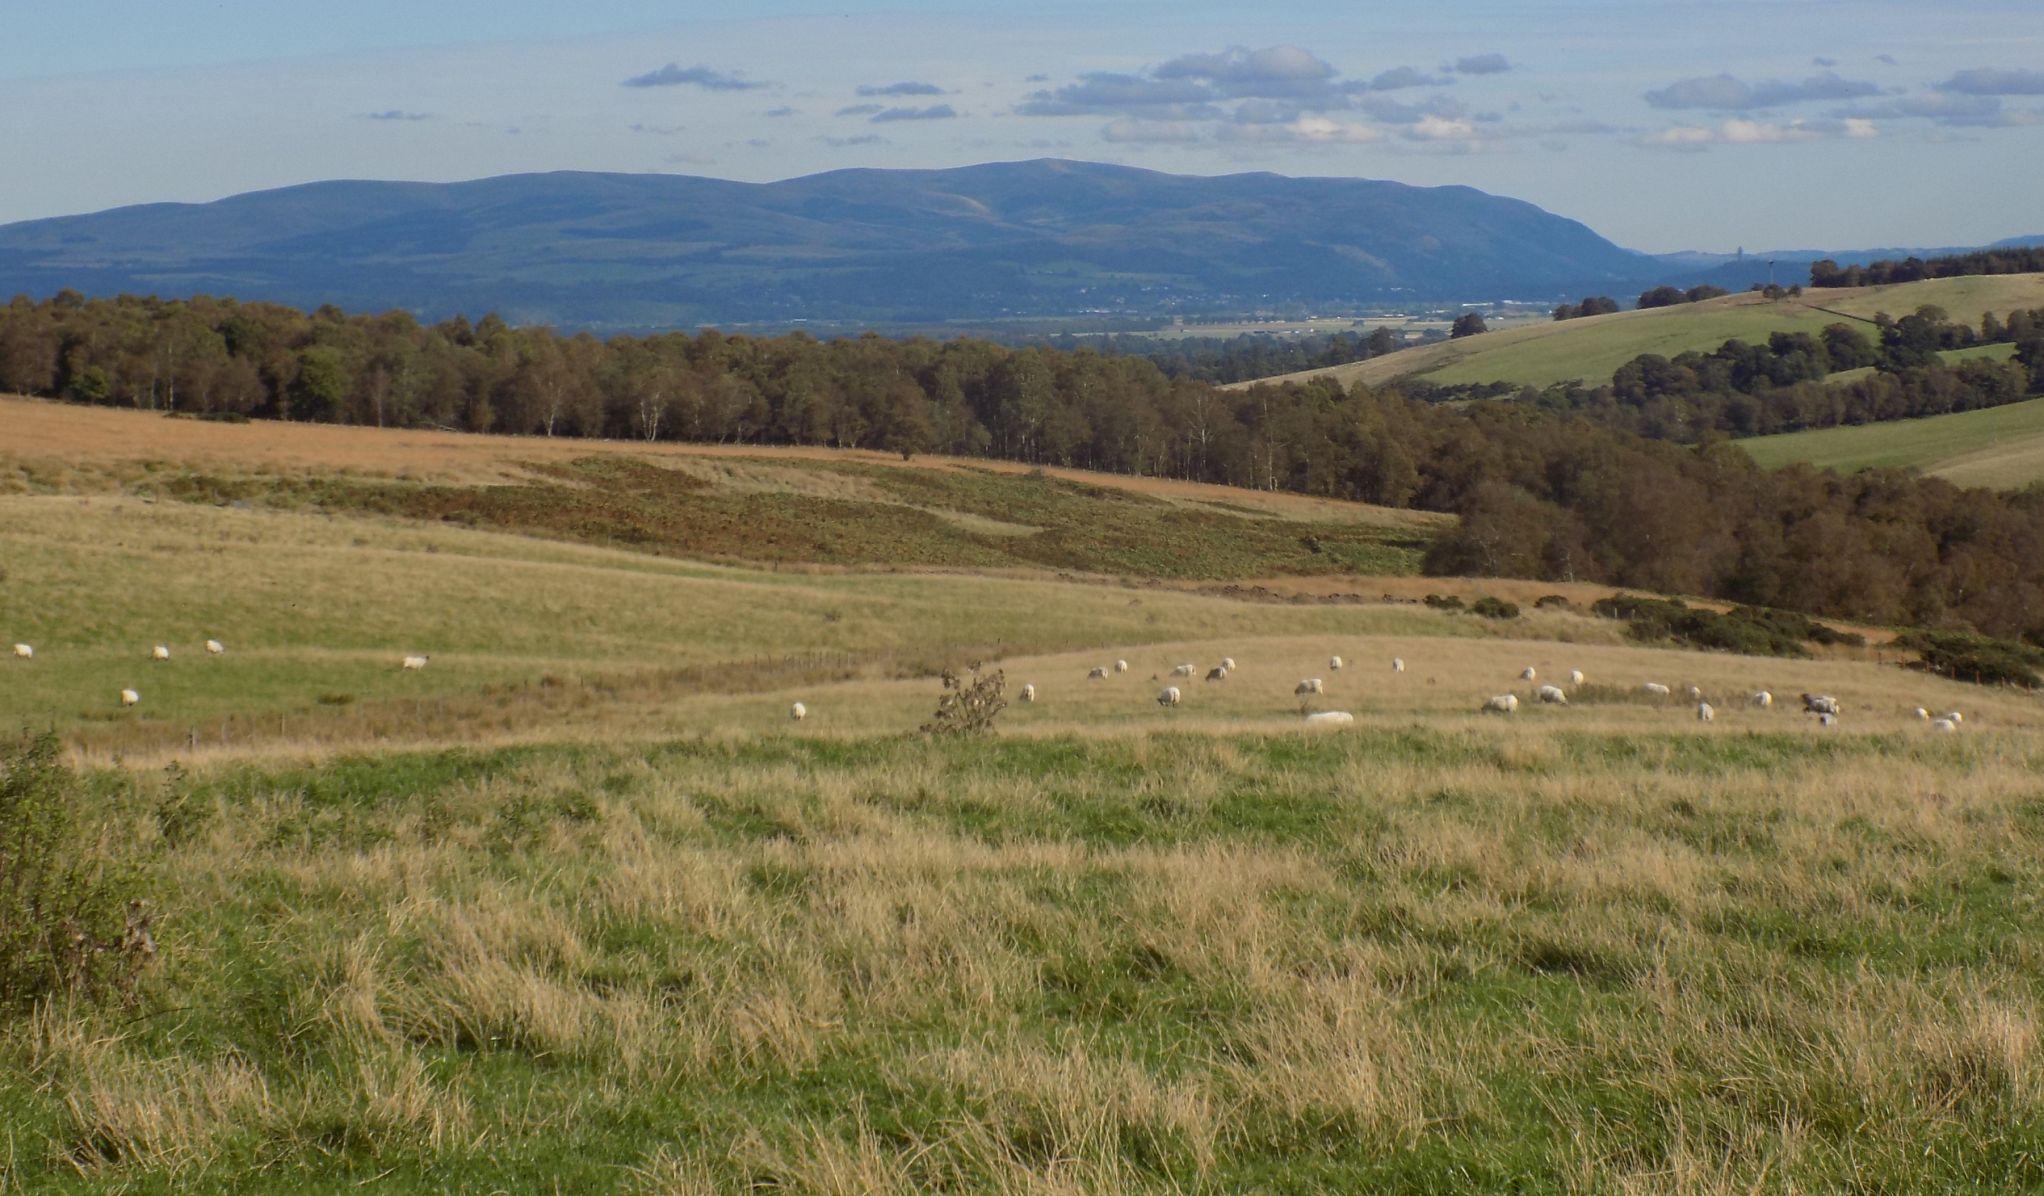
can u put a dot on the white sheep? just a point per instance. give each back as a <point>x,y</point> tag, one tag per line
<point>1575,677</point>
<point>1228,663</point>
<point>1501,704</point>
<point>1922,715</point>
<point>1529,673</point>
<point>24,651</point>
<point>1218,673</point>
<point>1943,724</point>
<point>1121,666</point>
<point>1029,693</point>
<point>1826,719</point>
<point>1552,695</point>
<point>1398,664</point>
<point>1761,700</point>
<point>1098,673</point>
<point>215,647</point>
<point>1334,663</point>
<point>1704,712</point>
<point>412,664</point>
<point>1954,716</point>
<point>1695,694</point>
<point>1169,697</point>
<point>1655,689</point>
<point>159,652</point>
<point>1330,718</point>
<point>1820,704</point>
<point>1311,685</point>
<point>797,712</point>
<point>1185,670</point>
<point>129,697</point>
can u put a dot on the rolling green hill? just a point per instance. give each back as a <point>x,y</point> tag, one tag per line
<point>1591,348</point>
<point>2001,447</point>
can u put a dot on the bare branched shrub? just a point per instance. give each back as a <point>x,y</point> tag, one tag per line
<point>970,703</point>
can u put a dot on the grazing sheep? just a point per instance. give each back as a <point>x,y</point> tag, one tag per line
<point>1761,700</point>
<point>1655,689</point>
<point>1029,693</point>
<point>797,712</point>
<point>1704,712</point>
<point>1311,685</point>
<point>1185,670</point>
<point>412,664</point>
<point>1218,673</point>
<point>129,697</point>
<point>1943,724</point>
<point>1121,666</point>
<point>1820,704</point>
<point>1575,677</point>
<point>159,652</point>
<point>1528,674</point>
<point>1334,663</point>
<point>1169,697</point>
<point>1330,718</point>
<point>1501,704</point>
<point>1954,716</point>
<point>24,651</point>
<point>215,647</point>
<point>1228,663</point>
<point>1695,694</point>
<point>1922,715</point>
<point>1097,674</point>
<point>1827,719</point>
<point>1398,664</point>
<point>1552,695</point>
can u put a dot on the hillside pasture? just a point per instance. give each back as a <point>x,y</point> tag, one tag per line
<point>1590,349</point>
<point>2002,447</point>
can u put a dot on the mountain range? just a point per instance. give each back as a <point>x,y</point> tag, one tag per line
<point>613,252</point>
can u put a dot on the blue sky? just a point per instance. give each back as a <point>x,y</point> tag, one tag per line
<point>1663,124</point>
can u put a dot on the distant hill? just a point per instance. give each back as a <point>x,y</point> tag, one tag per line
<point>614,251</point>
<point>1590,348</point>
<point>2001,446</point>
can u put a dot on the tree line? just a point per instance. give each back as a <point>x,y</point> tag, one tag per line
<point>1241,358</point>
<point>2007,260</point>
<point>1542,493</point>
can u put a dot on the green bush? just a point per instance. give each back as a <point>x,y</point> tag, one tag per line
<point>1977,658</point>
<point>1444,601</point>
<point>1552,602</point>
<point>1749,631</point>
<point>70,919</point>
<point>1494,608</point>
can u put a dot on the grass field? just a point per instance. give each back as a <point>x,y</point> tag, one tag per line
<point>1593,347</point>
<point>578,908</point>
<point>2001,447</point>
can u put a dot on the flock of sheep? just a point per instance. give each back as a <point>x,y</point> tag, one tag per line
<point>1823,706</point>
<point>130,696</point>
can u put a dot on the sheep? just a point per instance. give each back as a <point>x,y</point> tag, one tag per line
<point>1529,673</point>
<point>1954,716</point>
<point>1029,693</point>
<point>1501,704</point>
<point>1218,673</point>
<point>129,697</point>
<point>1943,724</point>
<point>1398,664</point>
<point>1552,695</point>
<point>1695,694</point>
<point>1334,663</point>
<point>1121,666</point>
<point>1575,678</point>
<point>159,652</point>
<point>1761,700</point>
<point>215,648</point>
<point>1922,715</point>
<point>797,712</point>
<point>1826,719</point>
<point>1330,718</point>
<point>1654,689</point>
<point>1169,697</point>
<point>1820,704</point>
<point>1704,712</point>
<point>1311,685</point>
<point>1228,663</point>
<point>24,651</point>
<point>412,664</point>
<point>1098,673</point>
<point>1185,670</point>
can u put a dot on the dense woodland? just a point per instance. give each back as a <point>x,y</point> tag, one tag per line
<point>1241,358</point>
<point>2006,260</point>
<point>1548,494</point>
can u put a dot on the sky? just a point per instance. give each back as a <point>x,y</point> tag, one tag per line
<point>1664,125</point>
